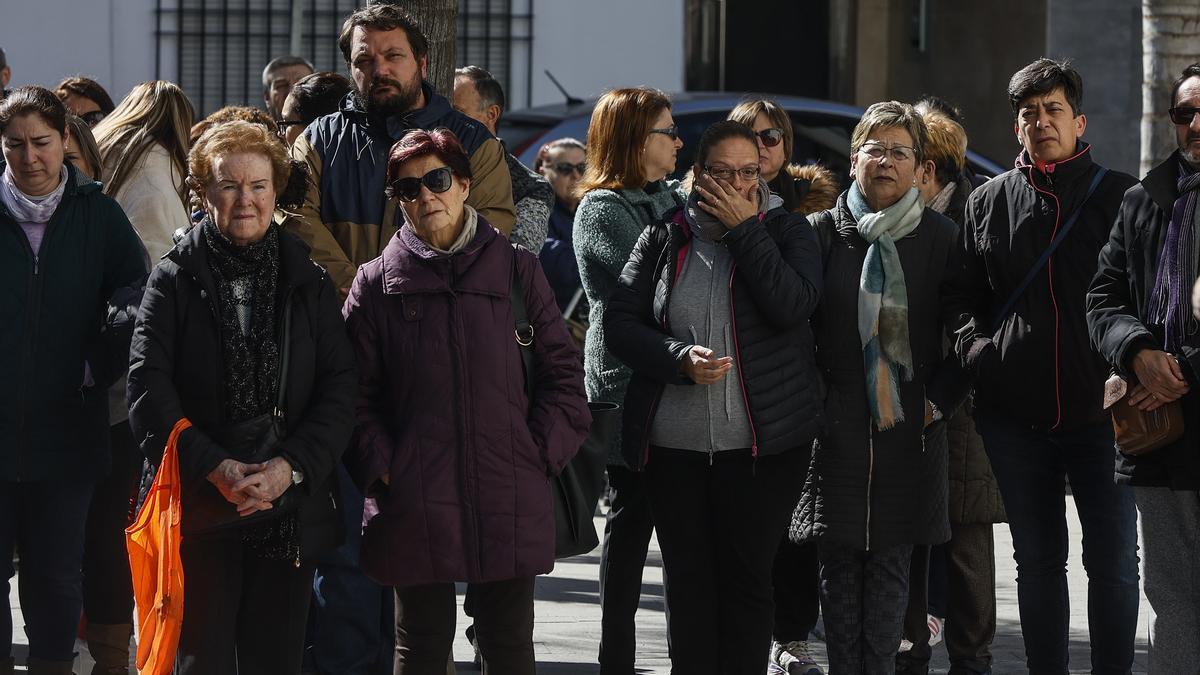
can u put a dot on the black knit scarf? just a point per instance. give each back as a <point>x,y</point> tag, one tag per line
<point>246,273</point>
<point>249,275</point>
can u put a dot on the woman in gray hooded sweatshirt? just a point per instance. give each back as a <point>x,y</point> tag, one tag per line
<point>711,316</point>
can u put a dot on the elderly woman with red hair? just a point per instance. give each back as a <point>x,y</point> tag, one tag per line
<point>452,454</point>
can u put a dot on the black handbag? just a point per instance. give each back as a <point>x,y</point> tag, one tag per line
<point>576,490</point>
<point>251,441</point>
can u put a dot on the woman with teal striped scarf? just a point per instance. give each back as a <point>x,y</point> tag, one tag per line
<point>879,478</point>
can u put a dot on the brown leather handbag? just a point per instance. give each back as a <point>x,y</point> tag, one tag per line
<point>1138,432</point>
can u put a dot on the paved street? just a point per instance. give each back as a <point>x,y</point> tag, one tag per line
<point>568,617</point>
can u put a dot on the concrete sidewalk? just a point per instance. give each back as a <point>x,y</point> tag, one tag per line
<point>568,617</point>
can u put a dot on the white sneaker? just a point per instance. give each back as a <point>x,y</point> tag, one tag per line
<point>936,626</point>
<point>794,658</point>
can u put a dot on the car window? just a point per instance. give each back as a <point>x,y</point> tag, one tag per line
<point>823,139</point>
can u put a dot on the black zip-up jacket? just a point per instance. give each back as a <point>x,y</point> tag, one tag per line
<point>52,425</point>
<point>1117,305</point>
<point>1039,368</point>
<point>775,288</point>
<point>175,372</point>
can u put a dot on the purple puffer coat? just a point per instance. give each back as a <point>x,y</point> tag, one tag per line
<point>442,412</point>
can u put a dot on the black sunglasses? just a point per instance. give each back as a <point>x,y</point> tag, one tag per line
<point>93,118</point>
<point>671,132</point>
<point>283,124</point>
<point>1183,115</point>
<point>770,137</point>
<point>565,168</point>
<point>408,189</point>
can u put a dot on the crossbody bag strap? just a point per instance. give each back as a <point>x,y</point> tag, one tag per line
<point>522,329</point>
<point>285,360</point>
<point>1037,266</point>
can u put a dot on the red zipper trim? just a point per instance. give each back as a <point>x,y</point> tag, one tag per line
<point>737,351</point>
<point>1053,297</point>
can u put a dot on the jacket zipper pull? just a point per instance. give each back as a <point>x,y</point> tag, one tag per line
<point>710,456</point>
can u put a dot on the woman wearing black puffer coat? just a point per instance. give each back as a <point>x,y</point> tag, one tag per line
<point>711,315</point>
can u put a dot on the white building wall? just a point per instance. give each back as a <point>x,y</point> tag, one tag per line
<point>594,45</point>
<point>111,41</point>
<point>589,45</point>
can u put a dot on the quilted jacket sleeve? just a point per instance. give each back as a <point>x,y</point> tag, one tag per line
<point>784,276</point>
<point>369,454</point>
<point>558,415</point>
<point>633,335</point>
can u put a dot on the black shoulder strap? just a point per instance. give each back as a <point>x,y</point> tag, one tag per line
<point>999,318</point>
<point>285,359</point>
<point>523,330</point>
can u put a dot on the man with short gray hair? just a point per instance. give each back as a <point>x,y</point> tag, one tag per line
<point>278,77</point>
<point>479,96</point>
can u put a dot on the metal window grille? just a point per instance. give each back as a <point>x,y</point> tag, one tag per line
<point>216,49</point>
<point>497,35</point>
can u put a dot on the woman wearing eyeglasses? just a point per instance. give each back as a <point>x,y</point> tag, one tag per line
<point>631,147</point>
<point>711,315</point>
<point>878,482</point>
<point>451,454</point>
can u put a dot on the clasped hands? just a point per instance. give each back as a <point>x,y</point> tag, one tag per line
<point>251,487</point>
<point>1160,380</point>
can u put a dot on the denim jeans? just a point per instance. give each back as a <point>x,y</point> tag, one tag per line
<point>352,619</point>
<point>1032,468</point>
<point>44,522</point>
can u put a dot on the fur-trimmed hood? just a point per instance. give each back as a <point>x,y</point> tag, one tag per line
<point>816,188</point>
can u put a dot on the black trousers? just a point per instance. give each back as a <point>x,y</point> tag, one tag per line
<point>797,590</point>
<point>107,584</point>
<point>719,520</point>
<point>241,614</point>
<point>503,613</point>
<point>970,604</point>
<point>622,559</point>
<point>44,522</point>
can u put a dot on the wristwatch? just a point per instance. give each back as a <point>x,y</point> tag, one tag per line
<point>297,476</point>
<point>937,413</point>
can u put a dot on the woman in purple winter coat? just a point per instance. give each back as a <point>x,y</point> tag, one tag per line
<point>452,455</point>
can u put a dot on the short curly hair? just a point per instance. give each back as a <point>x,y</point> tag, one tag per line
<point>235,138</point>
<point>946,146</point>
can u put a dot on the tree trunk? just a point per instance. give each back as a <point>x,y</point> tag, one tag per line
<point>1170,29</point>
<point>439,21</point>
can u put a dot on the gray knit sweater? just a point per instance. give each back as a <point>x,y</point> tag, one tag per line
<point>607,226</point>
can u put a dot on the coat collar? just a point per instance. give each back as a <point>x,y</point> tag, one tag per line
<point>410,266</point>
<point>396,126</point>
<point>1162,182</point>
<point>296,268</point>
<point>1069,169</point>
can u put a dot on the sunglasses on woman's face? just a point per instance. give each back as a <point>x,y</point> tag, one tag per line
<point>671,132</point>
<point>565,168</point>
<point>408,189</point>
<point>770,137</point>
<point>93,118</point>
